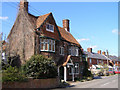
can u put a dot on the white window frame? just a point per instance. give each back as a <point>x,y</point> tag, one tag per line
<point>76,64</point>
<point>70,73</point>
<point>49,29</point>
<point>48,43</point>
<point>90,60</point>
<point>74,51</point>
<point>61,50</point>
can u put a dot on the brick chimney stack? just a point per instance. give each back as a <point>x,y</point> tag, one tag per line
<point>89,50</point>
<point>66,25</point>
<point>99,51</point>
<point>103,53</point>
<point>24,5</point>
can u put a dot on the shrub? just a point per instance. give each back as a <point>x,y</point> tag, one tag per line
<point>13,74</point>
<point>40,67</point>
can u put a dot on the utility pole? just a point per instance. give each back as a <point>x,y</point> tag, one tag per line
<point>107,56</point>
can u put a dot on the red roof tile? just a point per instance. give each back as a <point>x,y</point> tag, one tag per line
<point>41,19</point>
<point>67,36</point>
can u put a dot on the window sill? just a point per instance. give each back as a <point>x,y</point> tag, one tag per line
<point>50,30</point>
<point>47,51</point>
<point>74,73</point>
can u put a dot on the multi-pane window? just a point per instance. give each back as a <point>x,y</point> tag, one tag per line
<point>49,27</point>
<point>76,68</point>
<point>61,50</point>
<point>47,45</point>
<point>73,51</point>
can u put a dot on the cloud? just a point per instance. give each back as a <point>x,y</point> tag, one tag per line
<point>115,31</point>
<point>83,39</point>
<point>3,18</point>
<point>93,47</point>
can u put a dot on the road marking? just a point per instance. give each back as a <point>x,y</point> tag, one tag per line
<point>104,84</point>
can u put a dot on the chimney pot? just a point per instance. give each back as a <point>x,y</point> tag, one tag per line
<point>89,50</point>
<point>66,25</point>
<point>103,53</point>
<point>99,51</point>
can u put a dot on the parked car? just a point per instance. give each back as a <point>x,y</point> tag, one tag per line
<point>111,71</point>
<point>117,72</point>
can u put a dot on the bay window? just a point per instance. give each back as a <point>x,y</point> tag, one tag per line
<point>47,45</point>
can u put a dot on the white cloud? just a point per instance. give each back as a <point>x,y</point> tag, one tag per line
<point>3,18</point>
<point>83,39</point>
<point>93,47</point>
<point>115,31</point>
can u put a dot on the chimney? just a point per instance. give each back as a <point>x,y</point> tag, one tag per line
<point>66,25</point>
<point>89,50</point>
<point>103,53</point>
<point>99,51</point>
<point>24,5</point>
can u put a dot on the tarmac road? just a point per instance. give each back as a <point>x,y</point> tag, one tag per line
<point>100,82</point>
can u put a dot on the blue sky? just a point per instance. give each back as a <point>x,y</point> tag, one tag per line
<point>93,24</point>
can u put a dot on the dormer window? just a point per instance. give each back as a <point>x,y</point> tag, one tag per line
<point>49,27</point>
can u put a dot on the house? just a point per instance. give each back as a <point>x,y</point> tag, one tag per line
<point>115,61</point>
<point>97,58</point>
<point>32,35</point>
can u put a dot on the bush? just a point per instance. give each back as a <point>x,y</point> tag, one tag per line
<point>13,74</point>
<point>40,67</point>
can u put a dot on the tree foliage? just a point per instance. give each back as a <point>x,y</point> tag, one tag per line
<point>40,67</point>
<point>13,74</point>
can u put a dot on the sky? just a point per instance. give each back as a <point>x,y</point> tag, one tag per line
<point>93,24</point>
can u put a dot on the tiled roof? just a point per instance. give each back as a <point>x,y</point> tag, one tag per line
<point>114,58</point>
<point>96,55</point>
<point>67,36</point>
<point>41,19</point>
<point>64,34</point>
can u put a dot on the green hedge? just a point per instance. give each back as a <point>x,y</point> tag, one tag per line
<point>40,67</point>
<point>13,74</point>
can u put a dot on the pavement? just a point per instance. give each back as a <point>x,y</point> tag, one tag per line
<point>98,82</point>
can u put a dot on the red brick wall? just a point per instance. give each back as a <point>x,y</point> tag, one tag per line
<point>33,83</point>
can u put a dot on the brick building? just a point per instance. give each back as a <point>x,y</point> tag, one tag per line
<point>116,61</point>
<point>32,35</point>
<point>97,58</point>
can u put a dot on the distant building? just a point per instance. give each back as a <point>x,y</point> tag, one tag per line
<point>97,58</point>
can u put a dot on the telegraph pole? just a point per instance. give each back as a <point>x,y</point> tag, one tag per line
<point>107,56</point>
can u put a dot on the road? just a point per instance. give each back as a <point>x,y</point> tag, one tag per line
<point>103,82</point>
<point>99,83</point>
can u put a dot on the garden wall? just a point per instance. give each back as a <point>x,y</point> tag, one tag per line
<point>33,83</point>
